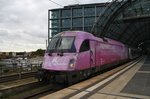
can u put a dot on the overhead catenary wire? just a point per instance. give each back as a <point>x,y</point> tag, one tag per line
<point>77,1</point>
<point>56,3</point>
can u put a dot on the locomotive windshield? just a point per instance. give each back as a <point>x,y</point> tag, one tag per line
<point>61,44</point>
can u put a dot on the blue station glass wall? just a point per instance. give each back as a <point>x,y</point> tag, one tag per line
<point>75,17</point>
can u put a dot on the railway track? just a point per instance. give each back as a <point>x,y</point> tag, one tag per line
<point>25,88</point>
<point>104,76</point>
<point>31,90</point>
<point>7,92</point>
<point>16,76</point>
<point>39,89</point>
<point>42,91</point>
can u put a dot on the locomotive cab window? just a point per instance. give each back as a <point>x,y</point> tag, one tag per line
<point>85,46</point>
<point>63,44</point>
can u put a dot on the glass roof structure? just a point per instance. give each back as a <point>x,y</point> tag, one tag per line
<point>127,21</point>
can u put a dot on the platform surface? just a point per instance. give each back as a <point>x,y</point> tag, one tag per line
<point>132,83</point>
<point>140,83</point>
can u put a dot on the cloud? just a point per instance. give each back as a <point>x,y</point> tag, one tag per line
<point>3,32</point>
<point>24,23</point>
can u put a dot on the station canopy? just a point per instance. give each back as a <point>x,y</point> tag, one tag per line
<point>127,21</point>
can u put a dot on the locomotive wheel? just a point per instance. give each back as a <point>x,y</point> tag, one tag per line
<point>44,76</point>
<point>68,79</point>
<point>48,77</point>
<point>53,78</point>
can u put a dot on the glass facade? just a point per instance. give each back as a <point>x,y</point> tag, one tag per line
<point>66,23</point>
<point>99,10</point>
<point>77,12</point>
<point>88,22</point>
<point>77,22</point>
<point>89,11</point>
<point>66,13</point>
<point>80,17</point>
<point>55,23</point>
<point>55,14</point>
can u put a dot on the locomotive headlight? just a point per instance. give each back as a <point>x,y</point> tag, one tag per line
<point>72,63</point>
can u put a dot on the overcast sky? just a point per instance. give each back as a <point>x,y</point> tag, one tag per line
<point>23,23</point>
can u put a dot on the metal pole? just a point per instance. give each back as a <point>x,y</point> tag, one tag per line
<point>48,25</point>
<point>46,44</point>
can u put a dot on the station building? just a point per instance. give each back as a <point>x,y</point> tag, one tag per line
<point>74,17</point>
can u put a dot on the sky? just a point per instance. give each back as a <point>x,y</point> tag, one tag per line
<point>24,23</point>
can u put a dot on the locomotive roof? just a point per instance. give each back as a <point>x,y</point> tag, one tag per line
<point>86,35</point>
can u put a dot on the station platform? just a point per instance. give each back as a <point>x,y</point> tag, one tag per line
<point>132,82</point>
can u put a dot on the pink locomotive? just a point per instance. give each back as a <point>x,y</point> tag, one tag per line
<point>75,55</point>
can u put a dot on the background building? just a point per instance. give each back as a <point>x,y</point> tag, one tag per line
<point>74,17</point>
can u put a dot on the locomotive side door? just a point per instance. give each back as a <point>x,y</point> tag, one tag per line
<point>83,61</point>
<point>92,53</point>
